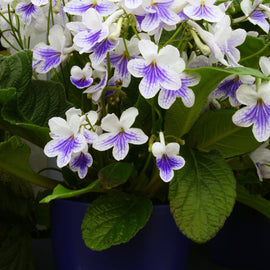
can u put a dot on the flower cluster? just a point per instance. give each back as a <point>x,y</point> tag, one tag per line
<point>158,42</point>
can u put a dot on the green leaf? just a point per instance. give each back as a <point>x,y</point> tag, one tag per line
<point>202,195</point>
<point>6,94</point>
<point>14,159</point>
<point>215,130</point>
<point>179,119</point>
<point>251,51</point>
<point>114,219</point>
<point>42,100</point>
<point>115,174</point>
<point>16,70</point>
<point>16,252</point>
<point>254,201</point>
<point>61,192</point>
<point>16,198</point>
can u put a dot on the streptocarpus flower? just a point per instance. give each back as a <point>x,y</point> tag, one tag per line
<point>255,14</point>
<point>66,139</point>
<point>229,86</point>
<point>257,110</point>
<point>203,9</point>
<point>80,162</point>
<point>119,59</point>
<point>167,158</point>
<point>261,159</point>
<point>120,134</point>
<point>158,11</point>
<point>48,56</point>
<point>157,68</point>
<point>70,136</point>
<point>81,78</point>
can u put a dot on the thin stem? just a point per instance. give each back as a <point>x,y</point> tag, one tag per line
<point>255,54</point>
<point>126,48</point>
<point>173,36</point>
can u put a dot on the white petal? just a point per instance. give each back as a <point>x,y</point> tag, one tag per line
<point>128,117</point>
<point>172,149</point>
<point>148,49</point>
<point>246,95</point>
<point>264,92</point>
<point>59,127</point>
<point>265,65</point>
<point>111,123</point>
<point>158,149</point>
<point>92,117</point>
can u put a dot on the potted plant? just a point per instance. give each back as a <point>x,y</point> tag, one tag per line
<point>130,82</point>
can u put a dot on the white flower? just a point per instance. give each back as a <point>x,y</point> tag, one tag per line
<point>120,134</point>
<point>167,158</point>
<point>261,159</point>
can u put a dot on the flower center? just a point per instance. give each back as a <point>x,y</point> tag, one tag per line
<point>202,4</point>
<point>260,102</point>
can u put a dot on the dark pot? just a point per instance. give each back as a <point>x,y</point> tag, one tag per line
<point>159,245</point>
<point>244,240</point>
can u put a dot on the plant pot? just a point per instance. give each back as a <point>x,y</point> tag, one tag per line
<point>159,245</point>
<point>244,240</point>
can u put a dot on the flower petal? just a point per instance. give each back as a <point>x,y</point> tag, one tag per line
<point>111,123</point>
<point>80,163</point>
<point>128,117</point>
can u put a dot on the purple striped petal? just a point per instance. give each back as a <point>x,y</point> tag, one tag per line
<point>258,114</point>
<point>90,136</point>
<point>137,67</point>
<point>80,163</point>
<point>259,18</point>
<point>166,98</point>
<point>228,88</point>
<point>167,16</point>
<point>27,11</point>
<point>121,147</point>
<point>245,116</point>
<point>63,148</point>
<point>101,49</point>
<point>81,83</point>
<point>50,58</point>
<point>167,164</point>
<point>149,85</point>
<point>135,136</point>
<point>150,22</point>
<point>261,127</point>
<point>208,13</point>
<point>76,7</point>
<point>106,8</point>
<point>87,39</point>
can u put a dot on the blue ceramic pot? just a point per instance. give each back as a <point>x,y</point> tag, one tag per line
<point>158,246</point>
<point>244,240</point>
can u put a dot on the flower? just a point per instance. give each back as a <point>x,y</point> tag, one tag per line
<point>81,78</point>
<point>157,68</point>
<point>120,134</point>
<point>261,159</point>
<point>167,158</point>
<point>256,111</point>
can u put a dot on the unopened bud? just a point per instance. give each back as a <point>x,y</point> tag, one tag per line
<point>204,48</point>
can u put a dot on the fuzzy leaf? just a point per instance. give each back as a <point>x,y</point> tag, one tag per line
<point>215,130</point>
<point>202,195</point>
<point>114,219</point>
<point>115,174</point>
